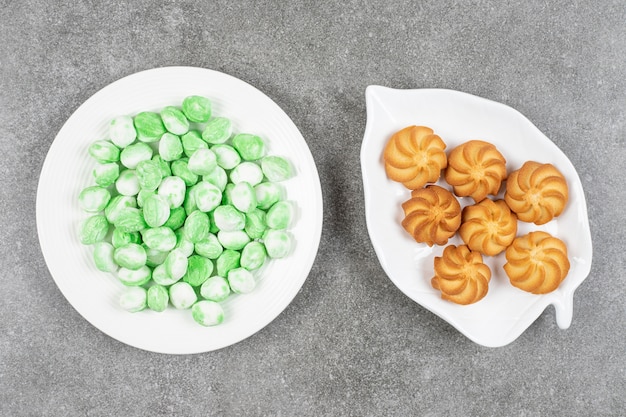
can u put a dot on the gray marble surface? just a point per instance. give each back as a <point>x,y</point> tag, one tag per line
<point>350,344</point>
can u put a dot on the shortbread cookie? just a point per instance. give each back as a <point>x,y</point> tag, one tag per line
<point>537,262</point>
<point>488,227</point>
<point>432,215</point>
<point>475,169</point>
<point>536,192</point>
<point>414,156</point>
<point>461,275</point>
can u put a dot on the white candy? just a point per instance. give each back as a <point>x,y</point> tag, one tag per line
<point>136,277</point>
<point>206,195</point>
<point>241,280</point>
<point>227,156</point>
<point>277,243</point>
<point>234,240</point>
<point>217,177</point>
<point>160,276</point>
<point>134,154</point>
<point>122,131</point>
<point>243,197</point>
<point>202,162</point>
<point>176,264</point>
<point>133,299</point>
<point>173,189</point>
<point>229,218</point>
<point>182,295</point>
<point>128,184</point>
<point>207,313</point>
<point>248,172</point>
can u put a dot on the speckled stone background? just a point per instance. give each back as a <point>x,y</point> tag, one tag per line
<point>350,344</point>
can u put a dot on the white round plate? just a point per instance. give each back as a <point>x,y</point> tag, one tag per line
<point>67,170</point>
<point>506,311</point>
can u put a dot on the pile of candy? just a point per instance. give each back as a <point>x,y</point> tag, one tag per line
<point>183,210</point>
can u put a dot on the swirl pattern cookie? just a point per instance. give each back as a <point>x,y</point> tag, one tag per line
<point>461,275</point>
<point>414,156</point>
<point>536,192</point>
<point>537,262</point>
<point>432,215</point>
<point>488,227</point>
<point>475,169</point>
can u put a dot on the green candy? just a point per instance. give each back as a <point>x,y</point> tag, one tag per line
<point>157,298</point>
<point>227,157</point>
<point>192,141</point>
<point>130,220</point>
<point>250,147</point>
<point>117,205</point>
<point>248,172</point>
<point>93,229</point>
<point>176,219</point>
<point>95,199</point>
<point>104,151</point>
<point>127,183</point>
<point>180,168</point>
<point>164,165</point>
<point>156,210</point>
<point>170,147</point>
<point>134,277</point>
<point>212,226</point>
<point>119,238</point>
<point>217,177</point>
<point>207,313</point>
<point>227,199</point>
<point>149,175</point>
<point>210,247</point>
<point>276,168</point>
<point>106,174</point>
<point>133,299</point>
<point>215,289</point>
<point>228,218</point>
<point>277,243</point>
<point>182,295</point>
<point>176,264</point>
<point>206,196</point>
<point>131,256</point>
<point>142,195</point>
<point>197,109</point>
<point>133,154</point>
<point>198,270</point>
<point>279,215</point>
<point>197,226</point>
<point>235,239</point>
<point>202,162</point>
<point>253,256</point>
<point>190,202</point>
<point>154,257</point>
<point>159,238</point>
<point>122,131</point>
<point>241,281</point>
<point>103,257</point>
<point>229,259</point>
<point>217,130</point>
<point>174,120</point>
<point>149,126</point>
<point>255,225</point>
<point>173,189</point>
<point>243,197</point>
<point>183,243</point>
<point>161,277</point>
<point>267,193</point>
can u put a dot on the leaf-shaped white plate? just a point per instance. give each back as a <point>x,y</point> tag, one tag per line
<point>505,312</point>
<point>67,170</point>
